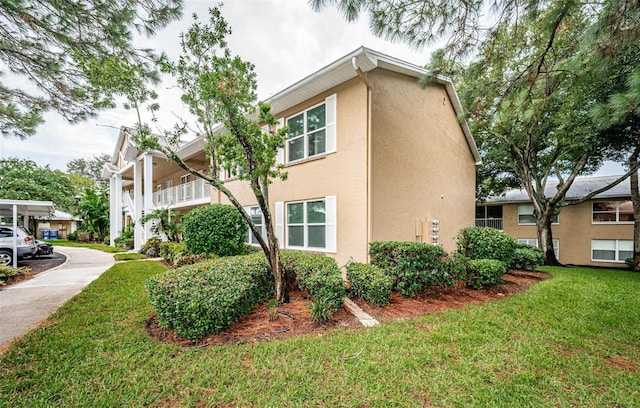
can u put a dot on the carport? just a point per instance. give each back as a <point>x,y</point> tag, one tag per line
<point>25,208</point>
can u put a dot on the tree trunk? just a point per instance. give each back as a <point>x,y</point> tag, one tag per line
<point>635,199</point>
<point>545,237</point>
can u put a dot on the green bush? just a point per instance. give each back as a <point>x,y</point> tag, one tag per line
<point>8,273</point>
<point>190,259</point>
<point>319,275</point>
<point>527,257</point>
<point>72,236</point>
<point>629,263</point>
<point>370,283</point>
<point>151,247</point>
<point>414,266</point>
<point>172,251</point>
<point>320,311</point>
<point>457,265</point>
<point>214,229</point>
<point>210,296</point>
<point>486,243</point>
<point>483,273</point>
<point>124,241</point>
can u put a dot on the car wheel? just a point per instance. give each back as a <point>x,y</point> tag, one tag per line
<point>6,258</point>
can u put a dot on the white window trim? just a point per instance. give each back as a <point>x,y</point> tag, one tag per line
<point>532,223</point>
<point>263,228</point>
<point>617,221</point>
<point>329,224</point>
<point>534,242</point>
<point>329,128</point>
<point>617,250</point>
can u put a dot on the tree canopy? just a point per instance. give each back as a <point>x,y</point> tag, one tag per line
<point>56,54</point>
<point>89,168</point>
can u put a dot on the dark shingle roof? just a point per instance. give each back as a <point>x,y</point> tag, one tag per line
<point>579,188</point>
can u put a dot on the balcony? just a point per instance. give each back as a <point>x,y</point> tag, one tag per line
<point>489,222</point>
<point>197,191</point>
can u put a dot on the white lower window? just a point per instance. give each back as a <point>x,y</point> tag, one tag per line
<point>258,220</point>
<point>611,250</point>
<point>534,243</point>
<point>306,224</point>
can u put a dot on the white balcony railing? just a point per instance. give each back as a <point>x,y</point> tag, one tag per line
<point>489,222</point>
<point>192,191</point>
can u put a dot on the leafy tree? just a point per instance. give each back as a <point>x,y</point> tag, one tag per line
<point>93,207</point>
<point>164,224</point>
<point>534,76</point>
<point>220,88</point>
<point>23,179</point>
<point>90,168</point>
<point>61,51</point>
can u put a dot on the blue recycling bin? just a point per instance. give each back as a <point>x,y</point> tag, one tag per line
<point>53,234</point>
<point>45,234</point>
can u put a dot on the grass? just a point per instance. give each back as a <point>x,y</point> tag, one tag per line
<point>129,256</point>
<point>100,247</point>
<point>569,341</point>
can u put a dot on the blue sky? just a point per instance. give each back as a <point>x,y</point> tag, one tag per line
<point>286,40</point>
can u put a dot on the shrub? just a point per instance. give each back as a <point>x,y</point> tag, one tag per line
<point>190,259</point>
<point>370,283</point>
<point>486,243</point>
<point>414,266</point>
<point>72,236</point>
<point>172,251</point>
<point>7,273</point>
<point>151,247</point>
<point>527,257</point>
<point>318,275</point>
<point>210,296</point>
<point>483,273</point>
<point>629,263</point>
<point>457,265</point>
<point>320,310</point>
<point>214,229</point>
<point>124,241</point>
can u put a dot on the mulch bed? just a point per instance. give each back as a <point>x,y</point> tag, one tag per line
<point>293,318</point>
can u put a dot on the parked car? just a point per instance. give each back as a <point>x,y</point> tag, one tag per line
<point>25,244</point>
<point>43,248</point>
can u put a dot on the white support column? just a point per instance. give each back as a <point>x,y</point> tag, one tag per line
<point>138,205</point>
<point>15,236</point>
<point>113,231</point>
<point>148,192</point>
<point>118,201</point>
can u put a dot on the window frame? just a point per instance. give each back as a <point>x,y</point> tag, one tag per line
<point>263,229</point>
<point>528,241</point>
<point>616,250</point>
<point>554,222</point>
<point>617,213</point>
<point>305,134</point>
<point>305,224</point>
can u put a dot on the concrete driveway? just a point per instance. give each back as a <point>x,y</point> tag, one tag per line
<point>24,305</point>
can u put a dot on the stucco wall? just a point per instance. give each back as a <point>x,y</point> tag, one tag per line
<point>574,231</point>
<point>341,174</point>
<point>422,166</point>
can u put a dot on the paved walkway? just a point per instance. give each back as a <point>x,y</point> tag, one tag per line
<point>24,305</point>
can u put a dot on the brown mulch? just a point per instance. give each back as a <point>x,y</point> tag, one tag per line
<point>293,319</point>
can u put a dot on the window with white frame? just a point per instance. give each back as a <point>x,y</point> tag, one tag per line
<point>612,212</point>
<point>611,250</point>
<point>534,243</point>
<point>258,220</point>
<point>186,189</point>
<point>525,215</point>
<point>306,224</point>
<point>312,132</point>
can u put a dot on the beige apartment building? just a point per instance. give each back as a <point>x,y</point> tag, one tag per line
<point>370,156</point>
<point>598,232</point>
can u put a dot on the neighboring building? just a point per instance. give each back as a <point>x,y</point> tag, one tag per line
<point>598,232</point>
<point>370,156</point>
<point>59,225</point>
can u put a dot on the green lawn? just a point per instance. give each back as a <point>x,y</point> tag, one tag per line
<point>572,341</point>
<point>129,256</point>
<point>100,247</point>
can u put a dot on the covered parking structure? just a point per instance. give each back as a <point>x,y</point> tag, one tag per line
<point>23,208</point>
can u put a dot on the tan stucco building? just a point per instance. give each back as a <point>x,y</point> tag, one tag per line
<point>370,156</point>
<point>598,232</point>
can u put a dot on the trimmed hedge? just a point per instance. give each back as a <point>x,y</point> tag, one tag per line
<point>151,247</point>
<point>172,251</point>
<point>414,266</point>
<point>210,296</point>
<point>527,257</point>
<point>318,275</point>
<point>482,273</point>
<point>370,283</point>
<point>214,229</point>
<point>486,243</point>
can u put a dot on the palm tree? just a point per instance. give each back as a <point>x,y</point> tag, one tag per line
<point>94,210</point>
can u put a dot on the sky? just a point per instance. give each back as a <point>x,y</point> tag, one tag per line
<point>285,39</point>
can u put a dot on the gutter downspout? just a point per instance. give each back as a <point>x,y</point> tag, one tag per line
<point>363,78</point>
